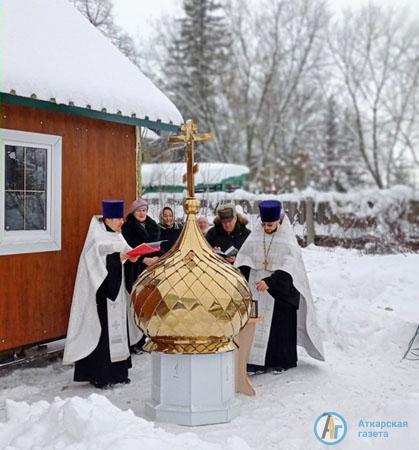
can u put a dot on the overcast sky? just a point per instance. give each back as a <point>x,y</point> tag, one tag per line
<point>136,16</point>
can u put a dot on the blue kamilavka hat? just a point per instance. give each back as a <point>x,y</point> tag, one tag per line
<point>113,209</point>
<point>270,210</point>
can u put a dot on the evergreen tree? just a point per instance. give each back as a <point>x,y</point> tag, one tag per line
<point>196,70</point>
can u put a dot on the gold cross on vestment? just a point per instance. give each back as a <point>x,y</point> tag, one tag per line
<point>189,136</point>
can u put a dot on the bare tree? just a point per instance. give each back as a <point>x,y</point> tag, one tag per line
<point>279,56</point>
<point>267,91</point>
<point>376,57</point>
<point>271,107</point>
<point>100,14</point>
<point>336,164</point>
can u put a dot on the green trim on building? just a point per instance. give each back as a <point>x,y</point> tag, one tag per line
<point>86,112</point>
<point>241,180</point>
<point>168,189</point>
<point>224,185</point>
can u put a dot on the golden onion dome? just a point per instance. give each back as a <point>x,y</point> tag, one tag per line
<point>191,301</point>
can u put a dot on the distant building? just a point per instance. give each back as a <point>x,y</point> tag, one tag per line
<point>211,177</point>
<point>71,109</point>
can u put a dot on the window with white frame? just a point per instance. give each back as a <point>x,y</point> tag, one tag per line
<point>30,192</point>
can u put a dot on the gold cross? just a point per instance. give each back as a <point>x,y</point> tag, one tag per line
<point>189,136</point>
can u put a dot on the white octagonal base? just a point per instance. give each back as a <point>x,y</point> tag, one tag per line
<point>193,389</point>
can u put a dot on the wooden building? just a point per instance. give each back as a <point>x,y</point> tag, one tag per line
<point>71,109</point>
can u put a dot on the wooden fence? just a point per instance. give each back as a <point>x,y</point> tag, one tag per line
<point>394,228</point>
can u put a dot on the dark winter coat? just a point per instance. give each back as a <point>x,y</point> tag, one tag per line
<point>136,233</point>
<point>218,237</point>
<point>170,235</point>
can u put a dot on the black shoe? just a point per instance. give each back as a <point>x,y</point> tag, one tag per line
<point>137,349</point>
<point>253,369</point>
<point>278,369</point>
<point>100,385</point>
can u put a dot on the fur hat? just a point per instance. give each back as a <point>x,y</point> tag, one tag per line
<point>226,212</point>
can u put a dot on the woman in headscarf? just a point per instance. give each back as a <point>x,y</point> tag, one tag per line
<point>170,229</point>
<point>203,224</point>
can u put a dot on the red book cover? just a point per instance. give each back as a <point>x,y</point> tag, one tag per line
<point>145,249</point>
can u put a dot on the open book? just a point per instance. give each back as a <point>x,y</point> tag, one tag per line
<point>145,248</point>
<point>231,251</point>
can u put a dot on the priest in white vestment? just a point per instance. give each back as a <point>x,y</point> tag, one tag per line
<point>272,262</point>
<point>102,324</point>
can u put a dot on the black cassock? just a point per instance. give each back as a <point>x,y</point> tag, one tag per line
<point>98,367</point>
<point>282,344</point>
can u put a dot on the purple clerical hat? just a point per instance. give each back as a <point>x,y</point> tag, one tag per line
<point>113,209</point>
<point>270,210</point>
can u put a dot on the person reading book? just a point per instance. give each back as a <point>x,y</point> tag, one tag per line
<point>271,261</point>
<point>229,230</point>
<point>139,228</point>
<point>101,325</point>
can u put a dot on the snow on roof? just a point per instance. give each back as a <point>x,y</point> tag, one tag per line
<point>171,174</point>
<point>50,50</point>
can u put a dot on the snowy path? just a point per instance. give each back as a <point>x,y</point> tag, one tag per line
<point>368,307</point>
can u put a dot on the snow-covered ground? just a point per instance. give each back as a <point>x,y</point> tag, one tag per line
<point>368,307</point>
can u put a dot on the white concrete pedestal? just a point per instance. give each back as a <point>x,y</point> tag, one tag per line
<point>193,389</point>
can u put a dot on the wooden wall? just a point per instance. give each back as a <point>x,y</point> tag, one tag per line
<point>98,161</point>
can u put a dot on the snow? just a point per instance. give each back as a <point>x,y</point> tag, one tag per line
<point>49,49</point>
<point>355,202</point>
<point>383,217</point>
<point>91,424</point>
<point>368,307</point>
<point>171,174</point>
